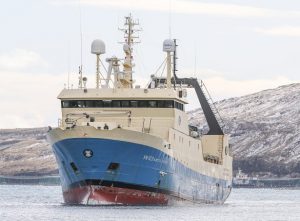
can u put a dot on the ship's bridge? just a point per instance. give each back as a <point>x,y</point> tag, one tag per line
<point>147,110</point>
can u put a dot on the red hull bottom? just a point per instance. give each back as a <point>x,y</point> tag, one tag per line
<point>112,195</point>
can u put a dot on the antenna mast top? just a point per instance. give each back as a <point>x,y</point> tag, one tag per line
<point>130,36</point>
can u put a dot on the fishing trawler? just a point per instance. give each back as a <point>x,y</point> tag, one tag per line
<point>119,143</point>
<point>243,180</point>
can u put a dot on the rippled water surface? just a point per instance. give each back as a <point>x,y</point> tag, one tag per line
<point>45,203</point>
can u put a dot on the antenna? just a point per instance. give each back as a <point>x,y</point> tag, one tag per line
<point>98,48</point>
<point>80,29</point>
<point>130,36</point>
<point>170,18</point>
<point>68,60</point>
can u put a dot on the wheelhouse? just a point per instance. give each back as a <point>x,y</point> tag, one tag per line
<point>122,104</point>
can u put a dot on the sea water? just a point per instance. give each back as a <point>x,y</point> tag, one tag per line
<point>35,203</point>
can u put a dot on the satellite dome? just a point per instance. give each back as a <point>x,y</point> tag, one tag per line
<point>98,47</point>
<point>169,45</point>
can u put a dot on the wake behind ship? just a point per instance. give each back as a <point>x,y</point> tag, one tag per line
<point>120,144</point>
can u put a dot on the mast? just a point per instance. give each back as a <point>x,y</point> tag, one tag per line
<point>80,83</point>
<point>98,48</point>
<point>175,58</point>
<point>97,70</point>
<point>169,47</point>
<point>130,39</point>
<point>174,62</point>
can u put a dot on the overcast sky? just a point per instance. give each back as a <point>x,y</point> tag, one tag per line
<point>236,46</point>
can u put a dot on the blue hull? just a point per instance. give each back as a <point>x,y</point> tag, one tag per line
<point>111,163</point>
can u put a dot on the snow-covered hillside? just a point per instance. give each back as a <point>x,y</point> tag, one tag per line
<point>264,129</point>
<point>26,152</point>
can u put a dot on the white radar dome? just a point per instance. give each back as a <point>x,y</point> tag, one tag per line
<point>98,47</point>
<point>169,45</point>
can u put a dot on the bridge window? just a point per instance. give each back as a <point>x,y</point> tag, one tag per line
<point>122,103</point>
<point>179,106</point>
<point>143,103</point>
<point>107,103</point>
<point>152,103</point>
<point>169,104</point>
<point>160,104</point>
<point>125,103</point>
<point>116,103</point>
<point>90,104</point>
<point>98,103</point>
<point>133,104</point>
<point>65,104</point>
<point>81,104</point>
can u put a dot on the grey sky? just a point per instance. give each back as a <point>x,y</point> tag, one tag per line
<point>240,46</point>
